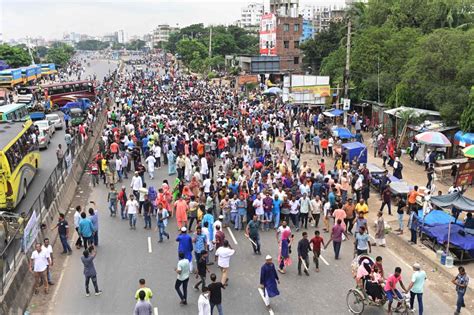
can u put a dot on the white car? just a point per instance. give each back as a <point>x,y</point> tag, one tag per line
<point>43,139</point>
<point>56,120</point>
<point>47,126</point>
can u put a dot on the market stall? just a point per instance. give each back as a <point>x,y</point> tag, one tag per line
<point>355,150</point>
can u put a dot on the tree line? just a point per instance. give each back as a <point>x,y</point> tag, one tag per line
<point>18,56</point>
<point>416,53</point>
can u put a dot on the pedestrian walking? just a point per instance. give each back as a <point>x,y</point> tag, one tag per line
<point>362,242</point>
<point>416,287</point>
<point>303,250</point>
<point>316,243</point>
<point>90,273</point>
<point>77,220</point>
<point>47,248</point>
<point>185,246</point>
<point>204,306</point>
<point>86,230</point>
<point>143,306</point>
<point>63,231</point>
<point>216,294</point>
<point>413,225</point>
<point>183,271</point>
<point>143,288</point>
<point>201,270</point>
<point>252,233</point>
<point>112,198</point>
<point>268,280</point>
<point>461,281</point>
<point>131,210</point>
<point>380,231</point>
<point>336,238</point>
<point>161,222</point>
<point>94,217</point>
<point>38,266</point>
<point>224,253</point>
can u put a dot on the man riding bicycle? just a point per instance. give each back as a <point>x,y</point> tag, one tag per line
<point>391,288</point>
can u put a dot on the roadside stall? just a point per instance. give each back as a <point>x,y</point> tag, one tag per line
<point>435,142</point>
<point>355,150</point>
<point>440,230</point>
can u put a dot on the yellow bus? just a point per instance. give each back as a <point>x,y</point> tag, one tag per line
<point>19,160</point>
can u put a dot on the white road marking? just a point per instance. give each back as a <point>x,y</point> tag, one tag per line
<point>155,311</point>
<point>232,235</point>
<point>60,280</point>
<point>260,290</point>
<point>324,260</point>
<point>149,244</point>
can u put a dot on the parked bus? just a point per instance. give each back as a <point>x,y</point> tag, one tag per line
<point>29,74</point>
<point>10,77</point>
<point>13,112</point>
<point>48,68</point>
<point>19,160</point>
<point>62,93</point>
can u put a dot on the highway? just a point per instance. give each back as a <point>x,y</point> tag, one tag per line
<point>125,255</point>
<point>48,159</point>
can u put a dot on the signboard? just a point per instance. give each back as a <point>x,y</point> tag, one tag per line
<point>268,32</point>
<point>31,231</point>
<point>465,174</point>
<point>244,79</point>
<point>347,104</point>
<point>320,90</point>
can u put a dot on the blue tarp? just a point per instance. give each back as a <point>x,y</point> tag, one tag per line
<point>337,112</point>
<point>440,233</point>
<point>342,133</point>
<point>437,217</point>
<point>456,200</point>
<point>464,138</point>
<point>355,150</point>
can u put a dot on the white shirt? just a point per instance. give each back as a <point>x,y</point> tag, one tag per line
<point>207,185</point>
<point>77,218</point>
<point>216,223</point>
<point>48,250</point>
<point>150,161</point>
<point>157,151</point>
<point>204,306</point>
<point>136,183</point>
<point>294,206</point>
<point>40,260</point>
<point>131,206</point>
<point>281,229</point>
<point>224,254</point>
<point>258,205</point>
<point>204,167</point>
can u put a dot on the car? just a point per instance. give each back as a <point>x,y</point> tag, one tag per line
<point>56,120</point>
<point>43,139</point>
<point>46,125</point>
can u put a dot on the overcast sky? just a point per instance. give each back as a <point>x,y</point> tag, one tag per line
<point>52,18</point>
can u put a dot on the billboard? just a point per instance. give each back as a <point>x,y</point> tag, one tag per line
<point>268,30</point>
<point>465,174</point>
<point>244,79</point>
<point>310,89</point>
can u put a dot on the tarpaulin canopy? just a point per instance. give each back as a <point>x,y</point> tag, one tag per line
<point>464,139</point>
<point>333,112</point>
<point>456,200</point>
<point>342,133</point>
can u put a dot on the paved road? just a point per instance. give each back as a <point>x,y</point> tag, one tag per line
<point>48,157</point>
<point>124,257</point>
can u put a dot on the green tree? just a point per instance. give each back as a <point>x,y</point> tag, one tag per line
<point>14,56</point>
<point>92,44</point>
<point>189,49</point>
<point>60,54</point>
<point>136,45</point>
<point>467,117</point>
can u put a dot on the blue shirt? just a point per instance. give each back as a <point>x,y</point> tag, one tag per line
<point>185,245</point>
<point>276,205</point>
<point>86,228</point>
<point>234,187</point>
<point>332,198</point>
<point>200,244</point>
<point>95,221</point>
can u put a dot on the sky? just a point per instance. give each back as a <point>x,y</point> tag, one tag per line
<point>50,19</point>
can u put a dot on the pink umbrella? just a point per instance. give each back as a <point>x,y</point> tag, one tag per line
<point>433,138</point>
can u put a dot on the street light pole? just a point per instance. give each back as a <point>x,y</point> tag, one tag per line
<point>347,68</point>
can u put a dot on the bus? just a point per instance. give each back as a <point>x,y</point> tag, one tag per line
<point>62,93</point>
<point>13,112</point>
<point>48,68</point>
<point>19,161</point>
<point>10,77</point>
<point>29,74</point>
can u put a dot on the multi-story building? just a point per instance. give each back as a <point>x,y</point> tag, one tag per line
<point>308,30</point>
<point>250,16</point>
<point>161,34</point>
<point>121,37</point>
<point>322,16</point>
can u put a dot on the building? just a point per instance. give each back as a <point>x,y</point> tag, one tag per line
<point>110,38</point>
<point>250,16</point>
<point>121,37</point>
<point>322,16</point>
<point>308,30</point>
<point>288,8</point>
<point>161,34</point>
<point>280,36</point>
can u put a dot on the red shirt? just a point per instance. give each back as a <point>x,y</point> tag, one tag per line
<point>316,242</point>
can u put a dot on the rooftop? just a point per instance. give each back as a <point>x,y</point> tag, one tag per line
<point>8,131</point>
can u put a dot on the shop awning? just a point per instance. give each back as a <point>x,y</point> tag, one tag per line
<point>456,200</point>
<point>463,139</point>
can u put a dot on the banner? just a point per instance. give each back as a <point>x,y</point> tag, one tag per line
<point>244,79</point>
<point>31,231</point>
<point>465,174</point>
<point>321,90</point>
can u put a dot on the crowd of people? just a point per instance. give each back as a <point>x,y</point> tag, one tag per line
<point>237,163</point>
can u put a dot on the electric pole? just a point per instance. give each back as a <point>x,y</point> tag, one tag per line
<point>210,42</point>
<point>347,68</point>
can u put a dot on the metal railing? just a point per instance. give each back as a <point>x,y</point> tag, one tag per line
<point>13,250</point>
